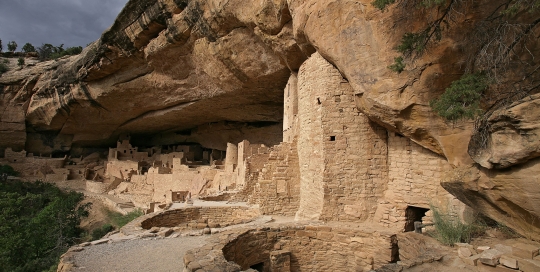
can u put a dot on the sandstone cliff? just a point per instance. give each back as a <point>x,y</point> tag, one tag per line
<point>213,71</point>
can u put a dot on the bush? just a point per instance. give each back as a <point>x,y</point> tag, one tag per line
<point>381,4</point>
<point>3,68</point>
<point>100,232</point>
<point>20,62</point>
<point>48,51</point>
<point>39,223</point>
<point>119,220</point>
<point>398,65</point>
<point>8,170</point>
<point>450,230</point>
<point>462,99</point>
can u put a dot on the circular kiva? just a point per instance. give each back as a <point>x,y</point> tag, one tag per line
<point>293,247</point>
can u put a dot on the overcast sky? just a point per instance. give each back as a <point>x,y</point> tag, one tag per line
<point>68,22</point>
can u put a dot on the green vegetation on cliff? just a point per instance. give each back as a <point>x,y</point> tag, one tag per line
<point>497,49</point>
<point>39,222</point>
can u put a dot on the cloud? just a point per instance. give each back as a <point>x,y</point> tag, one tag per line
<point>68,22</point>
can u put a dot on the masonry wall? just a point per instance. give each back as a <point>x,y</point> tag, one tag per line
<point>312,80</point>
<point>277,190</point>
<point>122,169</point>
<point>311,248</point>
<point>414,177</point>
<point>290,109</point>
<point>200,217</point>
<point>342,155</point>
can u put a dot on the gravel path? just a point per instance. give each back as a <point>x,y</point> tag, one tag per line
<point>158,255</point>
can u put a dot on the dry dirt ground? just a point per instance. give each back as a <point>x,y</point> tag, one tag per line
<point>156,255</point>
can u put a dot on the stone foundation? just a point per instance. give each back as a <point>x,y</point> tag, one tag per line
<point>193,218</point>
<point>295,247</point>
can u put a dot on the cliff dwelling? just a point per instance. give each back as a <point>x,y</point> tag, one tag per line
<point>292,135</point>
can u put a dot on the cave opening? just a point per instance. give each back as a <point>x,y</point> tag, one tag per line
<point>259,267</point>
<point>413,214</point>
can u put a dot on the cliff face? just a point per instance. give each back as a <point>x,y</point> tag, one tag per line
<point>178,70</point>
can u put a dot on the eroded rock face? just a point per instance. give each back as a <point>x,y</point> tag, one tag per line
<point>510,196</point>
<point>167,71</point>
<point>165,66</point>
<point>510,136</point>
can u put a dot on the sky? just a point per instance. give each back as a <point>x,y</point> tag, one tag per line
<point>68,22</point>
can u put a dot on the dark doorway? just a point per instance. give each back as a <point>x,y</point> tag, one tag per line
<point>259,267</point>
<point>413,214</point>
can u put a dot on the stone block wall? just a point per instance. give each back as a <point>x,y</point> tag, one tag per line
<point>290,109</point>
<point>342,154</point>
<point>13,156</point>
<point>414,177</point>
<point>300,248</point>
<point>250,169</point>
<point>200,217</point>
<point>121,169</point>
<point>277,190</point>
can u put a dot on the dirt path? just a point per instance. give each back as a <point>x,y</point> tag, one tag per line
<point>158,255</point>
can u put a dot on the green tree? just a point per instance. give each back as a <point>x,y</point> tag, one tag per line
<point>39,223</point>
<point>28,47</point>
<point>1,46</point>
<point>20,62</point>
<point>12,46</point>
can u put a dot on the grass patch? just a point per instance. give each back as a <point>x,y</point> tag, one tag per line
<point>119,220</point>
<point>450,230</point>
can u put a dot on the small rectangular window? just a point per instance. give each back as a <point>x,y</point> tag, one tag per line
<point>332,138</point>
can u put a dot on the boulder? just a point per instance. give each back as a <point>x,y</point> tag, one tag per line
<point>509,136</point>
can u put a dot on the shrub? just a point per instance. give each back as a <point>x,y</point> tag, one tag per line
<point>450,230</point>
<point>8,170</point>
<point>119,220</point>
<point>48,51</point>
<point>3,68</point>
<point>381,4</point>
<point>20,62</point>
<point>398,65</point>
<point>462,99</point>
<point>100,232</point>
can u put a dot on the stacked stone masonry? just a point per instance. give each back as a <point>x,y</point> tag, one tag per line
<point>277,190</point>
<point>300,248</point>
<point>193,218</point>
<point>210,216</point>
<point>351,169</point>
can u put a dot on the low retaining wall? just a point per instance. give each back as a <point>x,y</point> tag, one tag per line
<point>195,217</point>
<point>295,247</point>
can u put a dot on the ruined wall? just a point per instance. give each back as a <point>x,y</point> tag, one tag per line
<point>13,156</point>
<point>290,109</point>
<point>200,217</point>
<point>122,169</point>
<point>277,190</point>
<point>255,156</point>
<point>342,154</point>
<point>414,176</point>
